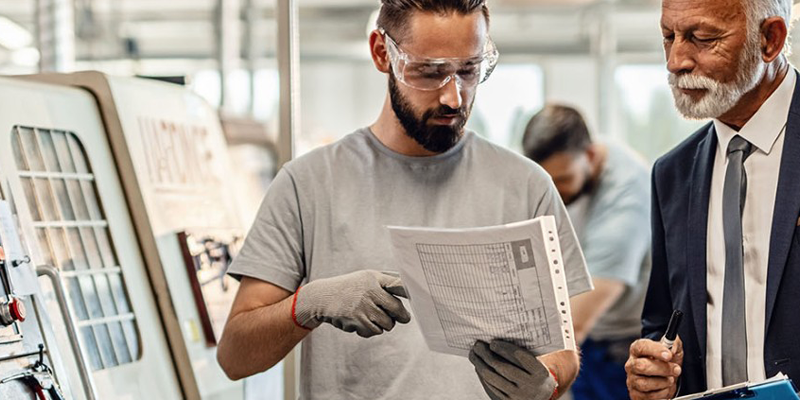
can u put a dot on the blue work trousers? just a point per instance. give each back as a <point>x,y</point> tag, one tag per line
<point>602,375</point>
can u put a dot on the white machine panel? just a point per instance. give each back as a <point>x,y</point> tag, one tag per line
<point>73,213</point>
<point>172,153</point>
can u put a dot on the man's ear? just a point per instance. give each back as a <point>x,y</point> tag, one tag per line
<point>773,38</point>
<point>378,51</point>
<point>592,153</point>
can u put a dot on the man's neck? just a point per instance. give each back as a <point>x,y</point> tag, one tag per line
<point>391,133</point>
<point>752,101</point>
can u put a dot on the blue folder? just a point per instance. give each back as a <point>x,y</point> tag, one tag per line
<point>782,389</point>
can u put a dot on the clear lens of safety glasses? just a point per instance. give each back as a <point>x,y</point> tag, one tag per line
<point>434,73</point>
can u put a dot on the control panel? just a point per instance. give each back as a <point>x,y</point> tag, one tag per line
<point>26,360</point>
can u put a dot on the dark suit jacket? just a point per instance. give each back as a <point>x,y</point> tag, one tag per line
<point>681,189</point>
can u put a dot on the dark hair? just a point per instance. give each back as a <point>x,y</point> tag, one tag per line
<point>394,14</point>
<point>555,129</point>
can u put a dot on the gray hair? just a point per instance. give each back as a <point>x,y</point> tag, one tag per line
<point>759,10</point>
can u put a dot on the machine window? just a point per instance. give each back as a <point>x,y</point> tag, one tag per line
<point>73,234</point>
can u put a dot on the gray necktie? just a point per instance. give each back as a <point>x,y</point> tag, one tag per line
<point>734,334</point>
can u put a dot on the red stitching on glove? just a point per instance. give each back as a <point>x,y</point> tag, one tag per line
<point>555,390</point>
<point>294,315</point>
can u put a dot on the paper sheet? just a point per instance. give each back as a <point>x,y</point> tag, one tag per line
<point>23,277</point>
<point>503,282</point>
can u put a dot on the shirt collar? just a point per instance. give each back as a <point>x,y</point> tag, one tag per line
<point>763,129</point>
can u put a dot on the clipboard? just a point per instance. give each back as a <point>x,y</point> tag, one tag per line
<point>780,387</point>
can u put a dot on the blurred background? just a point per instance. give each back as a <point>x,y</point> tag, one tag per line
<point>603,57</point>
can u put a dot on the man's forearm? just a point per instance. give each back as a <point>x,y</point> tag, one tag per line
<point>587,308</point>
<point>256,340</point>
<point>565,364</point>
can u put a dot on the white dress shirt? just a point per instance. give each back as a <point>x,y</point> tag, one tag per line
<point>765,131</point>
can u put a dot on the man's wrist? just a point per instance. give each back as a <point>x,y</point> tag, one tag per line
<point>294,311</point>
<point>555,378</point>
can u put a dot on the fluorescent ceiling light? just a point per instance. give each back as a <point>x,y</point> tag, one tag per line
<point>13,36</point>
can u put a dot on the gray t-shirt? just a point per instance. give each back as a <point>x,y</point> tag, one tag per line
<point>325,215</point>
<point>613,225</point>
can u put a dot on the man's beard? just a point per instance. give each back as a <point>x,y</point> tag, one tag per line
<point>720,97</point>
<point>434,138</point>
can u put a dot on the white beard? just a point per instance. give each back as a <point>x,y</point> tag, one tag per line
<point>719,97</point>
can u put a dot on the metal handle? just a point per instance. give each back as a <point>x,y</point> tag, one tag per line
<point>83,366</point>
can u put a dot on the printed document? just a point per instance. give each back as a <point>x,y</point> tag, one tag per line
<point>503,282</point>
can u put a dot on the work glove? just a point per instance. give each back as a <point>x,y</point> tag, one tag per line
<point>363,302</point>
<point>510,372</point>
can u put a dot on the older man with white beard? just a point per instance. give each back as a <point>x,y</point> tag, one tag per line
<point>726,201</point>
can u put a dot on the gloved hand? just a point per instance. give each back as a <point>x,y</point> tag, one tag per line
<point>363,302</point>
<point>510,372</point>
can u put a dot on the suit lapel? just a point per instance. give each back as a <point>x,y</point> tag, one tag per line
<point>787,205</point>
<point>699,194</point>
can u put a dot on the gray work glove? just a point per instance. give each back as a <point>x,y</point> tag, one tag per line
<point>363,302</point>
<point>510,372</point>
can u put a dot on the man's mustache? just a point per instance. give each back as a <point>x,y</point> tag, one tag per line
<point>447,111</point>
<point>689,81</point>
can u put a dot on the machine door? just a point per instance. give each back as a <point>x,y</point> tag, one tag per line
<point>74,217</point>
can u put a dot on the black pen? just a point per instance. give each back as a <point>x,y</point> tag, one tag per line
<point>672,329</point>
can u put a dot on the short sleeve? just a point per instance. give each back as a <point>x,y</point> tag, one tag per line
<point>578,278</point>
<point>273,249</point>
<point>617,235</point>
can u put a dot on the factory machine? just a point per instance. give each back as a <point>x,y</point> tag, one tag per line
<point>30,362</point>
<point>120,191</point>
<point>63,197</point>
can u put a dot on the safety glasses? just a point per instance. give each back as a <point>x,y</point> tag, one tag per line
<point>433,73</point>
